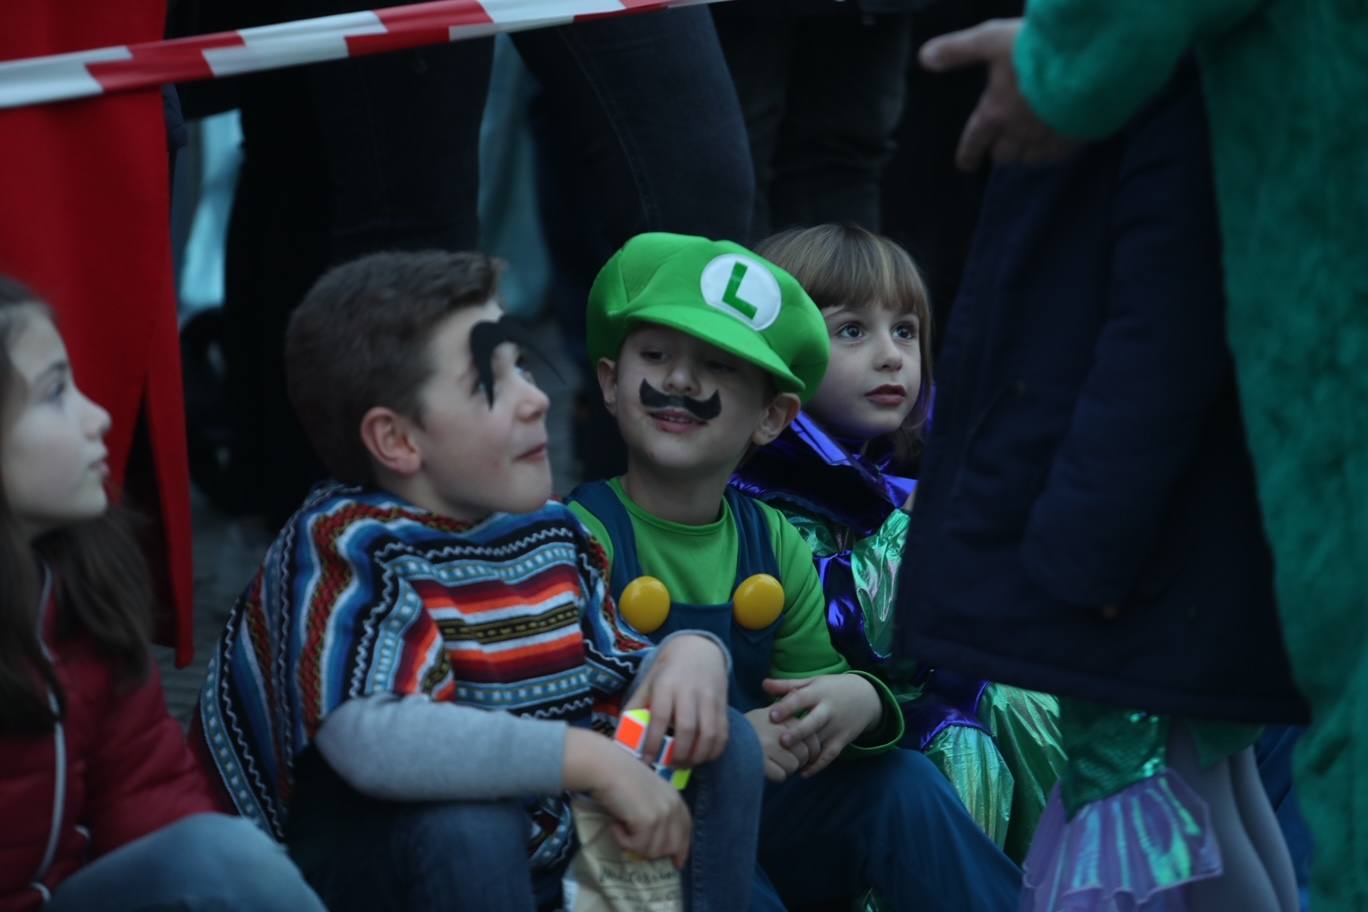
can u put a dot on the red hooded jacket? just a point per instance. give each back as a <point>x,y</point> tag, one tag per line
<point>114,769</point>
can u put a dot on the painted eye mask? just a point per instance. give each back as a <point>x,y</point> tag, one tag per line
<point>488,335</point>
<point>702,409</point>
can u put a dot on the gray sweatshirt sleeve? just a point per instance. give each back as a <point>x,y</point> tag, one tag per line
<point>414,749</point>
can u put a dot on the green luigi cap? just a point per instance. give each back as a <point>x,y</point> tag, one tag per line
<point>716,291</point>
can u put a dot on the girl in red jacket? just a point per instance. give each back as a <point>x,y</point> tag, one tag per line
<point>101,802</point>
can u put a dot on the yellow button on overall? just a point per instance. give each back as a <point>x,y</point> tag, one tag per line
<point>645,604</point>
<point>758,601</point>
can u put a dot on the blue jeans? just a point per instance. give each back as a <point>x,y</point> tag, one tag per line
<point>368,855</point>
<point>725,797</point>
<point>204,862</point>
<point>891,823</point>
<point>371,856</point>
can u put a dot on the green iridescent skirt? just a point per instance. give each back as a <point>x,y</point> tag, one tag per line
<point>1122,829</point>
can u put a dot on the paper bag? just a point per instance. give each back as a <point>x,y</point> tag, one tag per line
<point>603,877</point>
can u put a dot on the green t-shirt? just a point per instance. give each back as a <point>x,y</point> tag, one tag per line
<point>697,564</point>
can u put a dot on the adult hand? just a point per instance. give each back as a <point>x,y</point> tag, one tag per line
<point>686,689</point>
<point>780,761</point>
<point>1003,124</point>
<point>837,709</point>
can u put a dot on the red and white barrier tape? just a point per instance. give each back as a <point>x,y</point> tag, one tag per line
<point>36,80</point>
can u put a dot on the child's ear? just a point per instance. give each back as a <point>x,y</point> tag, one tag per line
<point>607,379</point>
<point>779,414</point>
<point>385,434</point>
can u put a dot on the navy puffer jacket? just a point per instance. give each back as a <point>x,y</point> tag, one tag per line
<point>1087,522</point>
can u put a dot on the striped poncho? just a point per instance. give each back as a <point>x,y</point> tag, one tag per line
<point>363,594</point>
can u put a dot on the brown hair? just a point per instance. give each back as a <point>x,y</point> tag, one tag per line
<point>101,581</point>
<point>849,266</point>
<point>360,340</point>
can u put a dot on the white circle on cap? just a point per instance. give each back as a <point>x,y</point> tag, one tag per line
<point>743,288</point>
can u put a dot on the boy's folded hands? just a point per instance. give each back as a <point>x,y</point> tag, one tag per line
<point>780,761</point>
<point>649,815</point>
<point>686,691</point>
<point>835,709</point>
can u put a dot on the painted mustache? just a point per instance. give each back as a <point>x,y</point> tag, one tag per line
<point>702,409</point>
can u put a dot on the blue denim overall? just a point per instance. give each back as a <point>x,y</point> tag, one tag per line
<point>750,649</point>
<point>835,835</point>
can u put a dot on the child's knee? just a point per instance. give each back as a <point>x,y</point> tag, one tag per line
<point>416,855</point>
<point>482,826</point>
<point>728,791</point>
<point>914,788</point>
<point>218,842</point>
<point>737,777</point>
<point>743,757</point>
<point>213,850</point>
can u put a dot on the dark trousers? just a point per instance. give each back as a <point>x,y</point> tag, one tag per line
<point>1273,753</point>
<point>638,129</point>
<point>373,856</point>
<point>930,206</point>
<point>890,823</point>
<point>381,152</point>
<point>822,96</point>
<point>340,159</point>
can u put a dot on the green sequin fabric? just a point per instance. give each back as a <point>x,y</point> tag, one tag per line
<point>1125,831</point>
<point>1110,749</point>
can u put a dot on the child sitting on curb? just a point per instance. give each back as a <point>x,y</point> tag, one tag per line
<point>102,804</point>
<point>703,351</point>
<point>412,682</point>
<point>841,473</point>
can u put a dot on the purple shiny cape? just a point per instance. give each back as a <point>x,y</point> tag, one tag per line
<point>811,469</point>
<point>947,699</point>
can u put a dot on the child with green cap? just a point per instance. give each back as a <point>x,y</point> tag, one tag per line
<point>703,351</point>
<point>425,667</point>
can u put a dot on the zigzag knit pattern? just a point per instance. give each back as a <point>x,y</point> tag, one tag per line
<point>365,594</point>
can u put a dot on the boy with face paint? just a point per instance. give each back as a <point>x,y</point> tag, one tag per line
<point>428,661</point>
<point>704,351</point>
